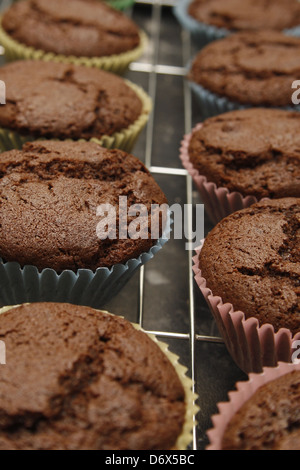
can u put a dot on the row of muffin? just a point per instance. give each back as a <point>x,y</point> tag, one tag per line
<point>66,130</point>
<point>245,161</point>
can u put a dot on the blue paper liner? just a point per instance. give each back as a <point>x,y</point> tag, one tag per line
<point>202,33</point>
<point>212,104</point>
<point>85,287</point>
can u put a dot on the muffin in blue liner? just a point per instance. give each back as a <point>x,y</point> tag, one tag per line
<point>203,33</point>
<point>77,220</point>
<point>84,287</point>
<point>117,4</point>
<point>246,70</point>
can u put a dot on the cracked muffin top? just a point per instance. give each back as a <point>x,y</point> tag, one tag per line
<point>250,68</point>
<point>247,15</point>
<point>254,151</point>
<point>251,259</point>
<point>49,196</point>
<point>87,28</point>
<point>47,99</point>
<point>76,378</point>
<point>269,419</point>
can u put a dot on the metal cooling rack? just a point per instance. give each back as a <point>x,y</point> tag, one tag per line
<point>162,297</point>
<point>170,50</point>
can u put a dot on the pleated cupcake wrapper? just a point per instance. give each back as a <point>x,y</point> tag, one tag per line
<point>251,346</point>
<point>237,398</point>
<point>192,409</point>
<point>85,287</point>
<point>116,63</point>
<point>212,104</point>
<point>202,33</point>
<point>219,202</point>
<point>125,139</point>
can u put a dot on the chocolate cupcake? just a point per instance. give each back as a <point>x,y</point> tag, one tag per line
<point>248,271</point>
<point>209,20</point>
<point>52,243</point>
<point>246,70</point>
<point>63,101</point>
<point>262,414</point>
<point>241,157</point>
<point>86,32</point>
<point>89,381</point>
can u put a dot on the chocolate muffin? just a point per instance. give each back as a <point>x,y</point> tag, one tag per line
<point>253,151</point>
<point>86,380</point>
<point>247,15</point>
<point>256,69</point>
<point>50,194</point>
<point>269,419</point>
<point>251,260</point>
<point>52,100</point>
<point>87,28</point>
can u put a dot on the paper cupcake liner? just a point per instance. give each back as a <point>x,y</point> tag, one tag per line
<point>85,287</point>
<point>252,346</point>
<point>125,139</point>
<point>186,436</point>
<point>212,104</point>
<point>245,390</point>
<point>116,63</point>
<point>202,33</point>
<point>219,202</point>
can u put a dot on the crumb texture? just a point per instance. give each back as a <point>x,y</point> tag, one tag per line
<point>51,100</point>
<point>247,15</point>
<point>85,28</point>
<point>250,68</point>
<point>255,152</point>
<point>77,378</point>
<point>251,259</point>
<point>269,420</point>
<point>49,195</point>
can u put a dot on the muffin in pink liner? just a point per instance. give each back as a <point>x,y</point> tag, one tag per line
<point>241,157</point>
<point>257,313</point>
<point>273,426</point>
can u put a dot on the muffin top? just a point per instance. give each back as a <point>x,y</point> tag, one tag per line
<point>76,378</point>
<point>50,193</point>
<point>48,99</point>
<point>247,15</point>
<point>254,151</point>
<point>251,259</point>
<point>86,28</point>
<point>250,68</point>
<point>269,420</point>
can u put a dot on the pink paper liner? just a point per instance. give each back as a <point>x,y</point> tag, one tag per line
<point>250,345</point>
<point>226,410</point>
<point>219,202</point>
